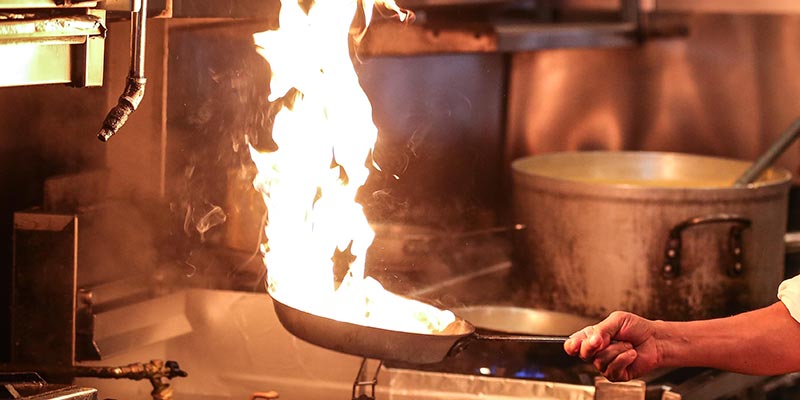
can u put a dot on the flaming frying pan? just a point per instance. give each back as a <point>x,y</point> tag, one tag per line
<point>390,345</point>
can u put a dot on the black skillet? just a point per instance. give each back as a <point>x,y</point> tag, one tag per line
<point>390,345</point>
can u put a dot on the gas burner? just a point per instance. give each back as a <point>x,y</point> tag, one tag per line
<point>524,361</point>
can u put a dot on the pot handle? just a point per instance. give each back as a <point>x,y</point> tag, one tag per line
<point>672,265</point>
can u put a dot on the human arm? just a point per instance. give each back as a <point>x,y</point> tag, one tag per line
<point>625,346</point>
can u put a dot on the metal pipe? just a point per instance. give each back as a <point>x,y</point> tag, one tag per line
<point>772,154</point>
<point>138,36</point>
<point>158,372</point>
<point>134,89</point>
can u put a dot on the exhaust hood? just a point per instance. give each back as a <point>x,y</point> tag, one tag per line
<point>62,41</point>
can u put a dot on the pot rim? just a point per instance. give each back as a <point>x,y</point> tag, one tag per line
<point>525,174</point>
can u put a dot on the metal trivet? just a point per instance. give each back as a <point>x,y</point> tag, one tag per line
<point>362,382</point>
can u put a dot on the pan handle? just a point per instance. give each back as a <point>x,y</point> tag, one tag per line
<point>521,338</point>
<point>462,343</point>
<point>672,265</point>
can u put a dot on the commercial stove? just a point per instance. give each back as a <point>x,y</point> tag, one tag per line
<point>233,345</point>
<point>242,355</point>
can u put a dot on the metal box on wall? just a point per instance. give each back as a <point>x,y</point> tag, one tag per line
<point>44,286</point>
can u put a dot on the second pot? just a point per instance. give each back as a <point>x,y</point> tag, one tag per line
<point>664,235</point>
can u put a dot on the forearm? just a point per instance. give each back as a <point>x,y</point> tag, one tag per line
<point>760,342</point>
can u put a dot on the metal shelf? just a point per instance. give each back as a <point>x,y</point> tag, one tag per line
<point>19,4</point>
<point>523,37</point>
<point>698,6</point>
<point>388,39</point>
<point>50,49</point>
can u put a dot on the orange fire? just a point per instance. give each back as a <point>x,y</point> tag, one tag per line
<point>325,135</point>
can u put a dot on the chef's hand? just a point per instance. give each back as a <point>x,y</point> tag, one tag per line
<point>622,347</point>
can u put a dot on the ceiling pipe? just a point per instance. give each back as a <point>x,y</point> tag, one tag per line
<point>134,88</point>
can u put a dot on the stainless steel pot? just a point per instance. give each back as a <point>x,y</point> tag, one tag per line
<point>664,235</point>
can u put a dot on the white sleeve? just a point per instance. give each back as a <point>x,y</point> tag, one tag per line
<point>789,294</point>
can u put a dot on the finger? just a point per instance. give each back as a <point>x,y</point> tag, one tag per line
<point>573,345</point>
<point>591,345</point>
<point>603,358</point>
<point>602,334</point>
<point>617,369</point>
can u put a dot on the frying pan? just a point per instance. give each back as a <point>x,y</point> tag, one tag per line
<point>390,345</point>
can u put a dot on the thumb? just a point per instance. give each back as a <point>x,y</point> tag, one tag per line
<point>608,329</point>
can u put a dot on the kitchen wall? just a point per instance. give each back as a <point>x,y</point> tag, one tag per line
<point>48,133</point>
<point>440,121</point>
<point>44,131</point>
<point>728,89</point>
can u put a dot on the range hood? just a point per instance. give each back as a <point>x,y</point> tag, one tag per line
<point>62,41</point>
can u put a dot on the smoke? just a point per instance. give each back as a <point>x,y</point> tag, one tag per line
<point>211,218</point>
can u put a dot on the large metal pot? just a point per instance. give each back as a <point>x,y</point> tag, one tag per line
<point>664,235</point>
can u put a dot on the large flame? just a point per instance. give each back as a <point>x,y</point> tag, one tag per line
<point>325,135</point>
